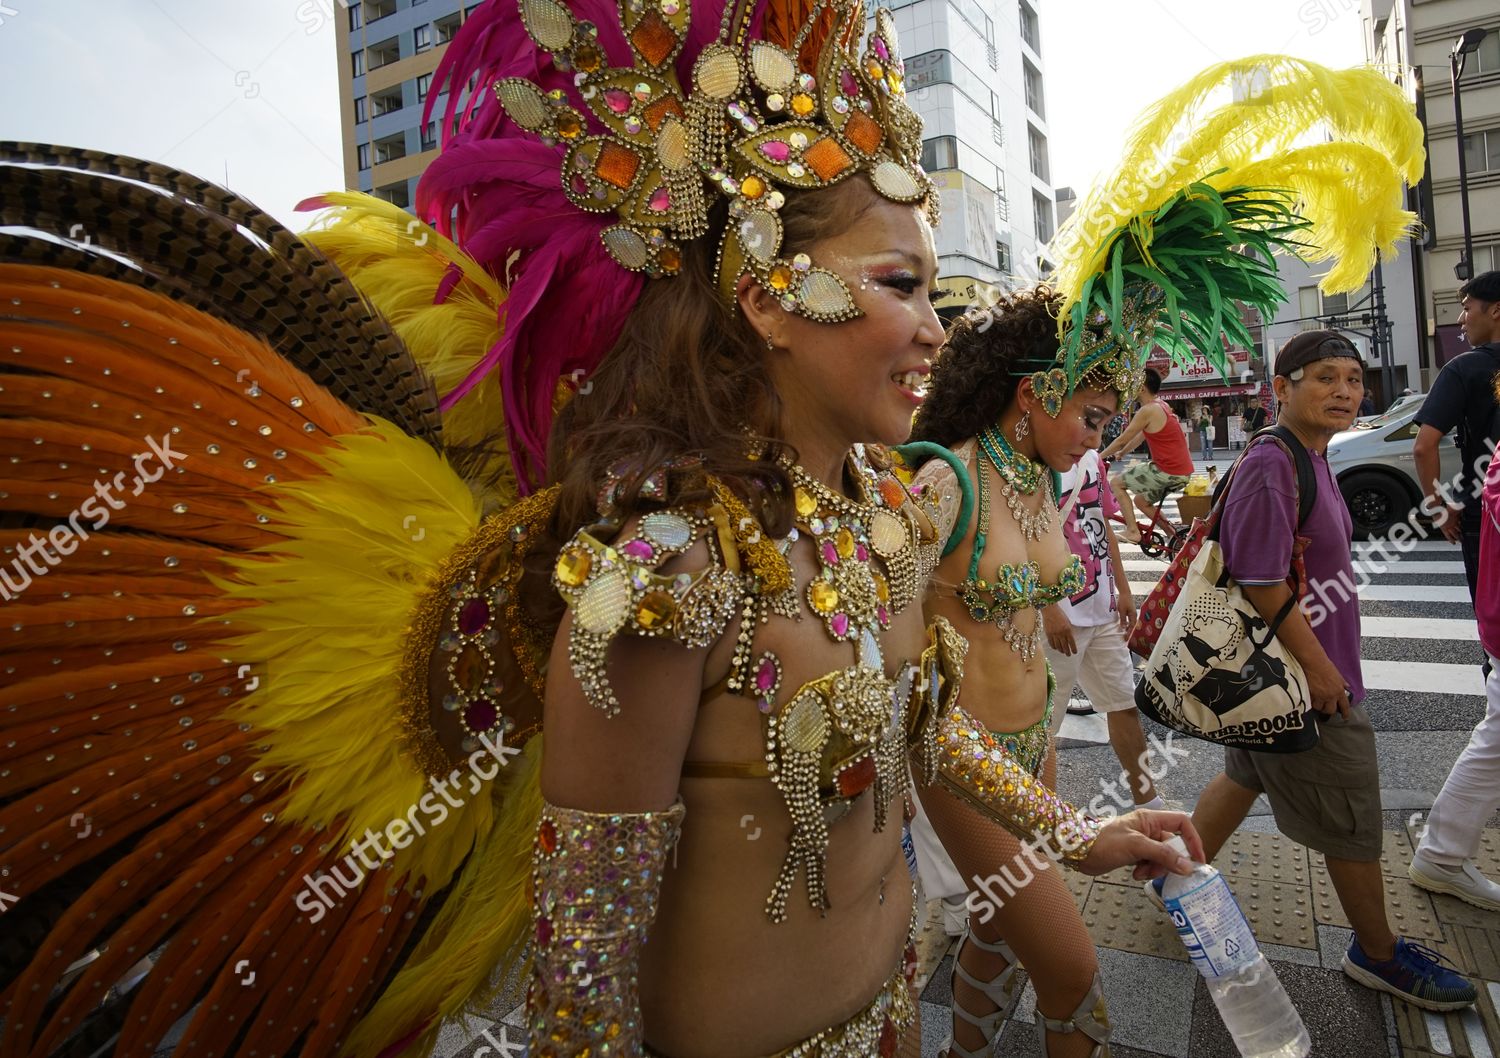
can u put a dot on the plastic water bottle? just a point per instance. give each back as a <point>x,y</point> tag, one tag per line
<point>1254,1006</point>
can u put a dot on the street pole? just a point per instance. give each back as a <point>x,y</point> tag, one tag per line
<point>1382,336</point>
<point>1457,59</point>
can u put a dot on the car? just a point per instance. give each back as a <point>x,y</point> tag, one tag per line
<point>1406,402</point>
<point>1376,472</point>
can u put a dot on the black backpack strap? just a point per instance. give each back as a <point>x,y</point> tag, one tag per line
<point>1307,479</point>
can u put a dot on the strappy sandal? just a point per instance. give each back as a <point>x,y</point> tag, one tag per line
<point>998,991</point>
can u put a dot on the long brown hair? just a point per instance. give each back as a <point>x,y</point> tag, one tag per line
<point>686,384</point>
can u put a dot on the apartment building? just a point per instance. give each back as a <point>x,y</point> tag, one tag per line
<point>1415,40</point>
<point>974,72</point>
<point>387,52</point>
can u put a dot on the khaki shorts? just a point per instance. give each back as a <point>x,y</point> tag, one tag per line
<point>1327,798</point>
<point>1150,481</point>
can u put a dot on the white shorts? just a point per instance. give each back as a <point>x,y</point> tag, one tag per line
<point>1101,665</point>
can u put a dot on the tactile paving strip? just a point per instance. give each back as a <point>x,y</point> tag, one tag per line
<point>1266,857</point>
<point>1408,908</point>
<point>1122,917</point>
<point>1278,913</point>
<point>1395,855</point>
<point>1080,884</point>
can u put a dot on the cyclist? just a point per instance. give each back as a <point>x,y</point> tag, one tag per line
<point>1170,464</point>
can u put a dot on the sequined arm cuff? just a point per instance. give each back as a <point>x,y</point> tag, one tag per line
<point>613,589</point>
<point>972,763</point>
<point>596,878</point>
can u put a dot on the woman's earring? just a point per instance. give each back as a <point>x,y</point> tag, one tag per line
<point>1023,426</point>
<point>770,343</point>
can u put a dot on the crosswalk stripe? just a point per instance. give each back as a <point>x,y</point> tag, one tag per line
<point>1458,593</point>
<point>1422,677</point>
<point>1158,565</point>
<point>1415,628</point>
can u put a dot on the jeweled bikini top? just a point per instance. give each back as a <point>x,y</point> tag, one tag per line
<point>838,734</point>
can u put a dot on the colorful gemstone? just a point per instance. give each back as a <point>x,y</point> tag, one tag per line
<point>638,549</point>
<point>847,83</point>
<point>805,502</point>
<point>830,553</point>
<point>473,617</point>
<point>544,925</point>
<point>656,609</point>
<point>879,46</point>
<point>752,187</point>
<point>882,588</point>
<point>617,99</point>
<point>844,539</point>
<point>588,58</point>
<point>862,552</point>
<point>883,615</point>
<point>470,669</point>
<point>670,259</point>
<point>892,492</point>
<point>824,596</point>
<point>573,566</point>
<point>660,201</point>
<point>839,623</point>
<point>776,150</point>
<point>568,125</point>
<point>766,675</point>
<point>803,104</point>
<point>873,69</point>
<point>481,715</point>
<point>546,837</point>
<point>780,278</point>
<point>857,777</point>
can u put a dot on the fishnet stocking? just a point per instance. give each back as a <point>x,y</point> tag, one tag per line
<point>1041,922</point>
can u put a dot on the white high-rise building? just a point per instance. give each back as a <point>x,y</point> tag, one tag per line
<point>974,72</point>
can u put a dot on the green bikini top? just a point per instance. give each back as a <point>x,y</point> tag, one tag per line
<point>1014,587</point>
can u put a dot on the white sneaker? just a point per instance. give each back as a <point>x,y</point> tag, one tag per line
<point>955,916</point>
<point>1465,882</point>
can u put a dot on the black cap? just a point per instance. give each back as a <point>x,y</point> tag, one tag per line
<point>1311,346</point>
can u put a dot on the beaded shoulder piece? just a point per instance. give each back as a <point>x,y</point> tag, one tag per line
<point>614,589</point>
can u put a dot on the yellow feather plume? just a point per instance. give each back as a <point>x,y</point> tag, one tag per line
<point>474,946</point>
<point>398,262</point>
<point>1342,141</point>
<point>329,614</point>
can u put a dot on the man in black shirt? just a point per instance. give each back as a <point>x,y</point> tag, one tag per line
<point>1254,416</point>
<point>1463,396</point>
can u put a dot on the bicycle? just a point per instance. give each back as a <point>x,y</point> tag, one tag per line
<point>1159,536</point>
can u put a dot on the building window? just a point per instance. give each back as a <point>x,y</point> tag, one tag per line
<point>940,152</point>
<point>390,149</point>
<point>424,84</point>
<point>388,101</point>
<point>424,38</point>
<point>1038,144</point>
<point>364,156</point>
<point>446,27</point>
<point>356,16</point>
<point>1041,209</point>
<point>1033,78</point>
<point>384,53</point>
<point>375,10</point>
<point>1482,151</point>
<point>429,136</point>
<point>396,194</point>
<point>1002,257</point>
<point>1031,31</point>
<point>1487,58</point>
<point>357,63</point>
<point>361,110</point>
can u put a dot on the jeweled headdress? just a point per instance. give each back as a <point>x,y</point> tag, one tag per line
<point>791,106</point>
<point>1251,158</point>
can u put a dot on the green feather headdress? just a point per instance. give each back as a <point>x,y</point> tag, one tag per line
<point>1166,251</point>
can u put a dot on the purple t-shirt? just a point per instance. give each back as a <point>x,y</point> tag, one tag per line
<point>1257,531</point>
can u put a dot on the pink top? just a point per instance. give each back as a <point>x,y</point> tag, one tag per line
<point>1168,446</point>
<point>1487,591</point>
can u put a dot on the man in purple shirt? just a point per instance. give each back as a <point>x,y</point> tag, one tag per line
<point>1327,798</point>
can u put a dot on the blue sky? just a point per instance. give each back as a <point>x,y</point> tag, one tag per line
<point>249,87</point>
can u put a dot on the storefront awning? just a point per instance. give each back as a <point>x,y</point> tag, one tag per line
<point>1199,392</point>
